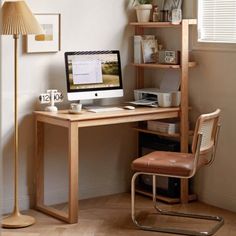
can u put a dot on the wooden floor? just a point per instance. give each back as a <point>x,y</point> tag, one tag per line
<point>110,215</point>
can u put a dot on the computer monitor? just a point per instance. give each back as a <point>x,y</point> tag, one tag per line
<point>93,75</point>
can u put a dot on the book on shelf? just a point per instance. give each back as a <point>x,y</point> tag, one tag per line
<point>138,50</point>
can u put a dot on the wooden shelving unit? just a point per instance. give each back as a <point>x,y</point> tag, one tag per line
<point>183,70</point>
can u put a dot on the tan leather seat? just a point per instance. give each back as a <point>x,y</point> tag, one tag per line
<point>180,165</point>
<point>168,163</point>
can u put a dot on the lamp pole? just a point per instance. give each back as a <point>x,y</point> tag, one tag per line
<point>16,133</point>
<point>16,219</point>
<point>17,19</point>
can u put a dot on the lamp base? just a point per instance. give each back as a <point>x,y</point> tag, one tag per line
<point>17,220</point>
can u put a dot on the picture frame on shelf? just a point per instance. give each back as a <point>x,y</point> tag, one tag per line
<point>149,50</point>
<point>50,41</point>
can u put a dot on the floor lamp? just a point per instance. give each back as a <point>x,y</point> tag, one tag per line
<point>17,19</point>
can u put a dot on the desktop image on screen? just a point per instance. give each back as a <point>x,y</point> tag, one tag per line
<point>93,75</point>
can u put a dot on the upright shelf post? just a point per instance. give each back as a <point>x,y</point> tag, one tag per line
<point>184,118</point>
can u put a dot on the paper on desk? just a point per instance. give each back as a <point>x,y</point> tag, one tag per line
<point>145,102</point>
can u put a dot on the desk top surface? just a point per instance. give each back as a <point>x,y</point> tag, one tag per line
<point>87,115</point>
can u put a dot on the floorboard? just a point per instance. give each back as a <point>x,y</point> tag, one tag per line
<point>110,215</point>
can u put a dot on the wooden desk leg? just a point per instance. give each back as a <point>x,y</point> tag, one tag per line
<point>73,141</point>
<point>73,157</point>
<point>39,165</point>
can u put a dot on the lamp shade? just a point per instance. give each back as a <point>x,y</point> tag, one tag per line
<point>17,19</point>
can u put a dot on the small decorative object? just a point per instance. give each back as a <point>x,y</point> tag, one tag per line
<point>170,5</point>
<point>52,96</point>
<point>160,47</point>
<point>169,57</point>
<point>49,41</point>
<point>143,10</point>
<point>155,14</point>
<point>176,16</point>
<point>165,15</point>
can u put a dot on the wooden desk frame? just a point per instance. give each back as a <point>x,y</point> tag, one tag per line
<point>73,123</point>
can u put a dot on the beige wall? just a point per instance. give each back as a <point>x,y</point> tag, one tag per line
<point>105,151</point>
<point>213,85</point>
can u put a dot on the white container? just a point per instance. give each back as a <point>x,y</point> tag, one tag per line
<point>176,16</point>
<point>164,99</point>
<point>169,99</point>
<point>75,108</point>
<point>143,12</point>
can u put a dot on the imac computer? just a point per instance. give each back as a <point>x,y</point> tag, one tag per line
<point>93,75</point>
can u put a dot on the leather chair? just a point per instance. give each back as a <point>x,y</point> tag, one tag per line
<point>180,165</point>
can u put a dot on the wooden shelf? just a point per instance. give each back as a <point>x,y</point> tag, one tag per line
<point>163,66</point>
<point>162,24</point>
<point>191,197</point>
<point>183,70</point>
<point>176,135</point>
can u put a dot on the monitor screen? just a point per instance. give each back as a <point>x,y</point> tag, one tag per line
<point>93,75</point>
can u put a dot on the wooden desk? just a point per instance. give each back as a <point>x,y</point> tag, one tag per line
<point>73,123</point>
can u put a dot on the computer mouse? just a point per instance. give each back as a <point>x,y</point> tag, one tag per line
<point>129,107</point>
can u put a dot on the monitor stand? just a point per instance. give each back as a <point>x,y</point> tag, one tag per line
<point>91,104</point>
<point>95,104</point>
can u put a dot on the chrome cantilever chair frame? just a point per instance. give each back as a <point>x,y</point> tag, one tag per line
<point>196,149</point>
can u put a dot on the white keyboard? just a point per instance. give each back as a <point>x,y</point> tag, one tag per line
<point>105,109</point>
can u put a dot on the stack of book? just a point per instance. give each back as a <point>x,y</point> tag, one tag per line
<point>169,126</point>
<point>145,49</point>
